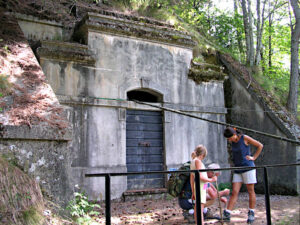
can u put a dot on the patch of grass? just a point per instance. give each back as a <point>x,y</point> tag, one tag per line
<point>5,85</point>
<point>287,221</point>
<point>223,186</point>
<point>169,197</point>
<point>12,160</point>
<point>199,59</point>
<point>32,217</point>
<point>277,89</point>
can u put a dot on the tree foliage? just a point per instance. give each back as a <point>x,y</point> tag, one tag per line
<point>267,42</point>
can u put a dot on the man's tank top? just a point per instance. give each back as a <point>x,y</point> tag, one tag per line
<point>239,152</point>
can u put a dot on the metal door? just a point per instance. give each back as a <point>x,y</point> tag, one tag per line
<point>144,148</point>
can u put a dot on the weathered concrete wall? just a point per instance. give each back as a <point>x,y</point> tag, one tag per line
<point>124,63</point>
<point>43,153</point>
<point>248,111</point>
<point>87,77</point>
<point>36,29</point>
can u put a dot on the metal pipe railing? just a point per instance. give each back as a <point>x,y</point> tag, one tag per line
<point>197,183</point>
<point>107,199</point>
<point>198,197</point>
<point>267,196</point>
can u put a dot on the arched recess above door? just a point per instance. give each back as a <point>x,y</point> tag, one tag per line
<point>144,95</point>
<point>145,85</point>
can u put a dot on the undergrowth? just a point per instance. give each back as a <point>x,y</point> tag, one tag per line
<point>223,186</point>
<point>32,216</point>
<point>81,209</point>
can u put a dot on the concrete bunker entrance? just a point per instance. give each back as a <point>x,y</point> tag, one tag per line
<point>144,143</point>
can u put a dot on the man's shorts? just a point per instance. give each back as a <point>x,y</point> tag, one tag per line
<point>185,203</point>
<point>248,177</point>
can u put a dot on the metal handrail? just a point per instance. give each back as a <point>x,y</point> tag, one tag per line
<point>197,183</point>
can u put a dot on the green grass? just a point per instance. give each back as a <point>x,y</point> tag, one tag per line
<point>32,217</point>
<point>287,221</point>
<point>223,186</point>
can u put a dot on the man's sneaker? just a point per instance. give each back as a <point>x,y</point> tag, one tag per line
<point>191,219</point>
<point>185,213</point>
<point>188,216</point>
<point>210,215</point>
<point>226,216</point>
<point>250,217</point>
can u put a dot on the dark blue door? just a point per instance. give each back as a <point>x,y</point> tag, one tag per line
<point>144,148</point>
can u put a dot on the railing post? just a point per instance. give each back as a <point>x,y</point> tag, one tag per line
<point>198,198</point>
<point>107,199</point>
<point>267,196</point>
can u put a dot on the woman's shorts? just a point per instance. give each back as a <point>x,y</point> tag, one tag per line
<point>248,177</point>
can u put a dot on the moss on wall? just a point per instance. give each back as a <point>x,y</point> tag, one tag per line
<point>205,68</point>
<point>205,75</point>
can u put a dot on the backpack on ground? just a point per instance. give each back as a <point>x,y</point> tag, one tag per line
<point>177,181</point>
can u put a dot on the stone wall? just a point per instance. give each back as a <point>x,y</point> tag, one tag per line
<point>34,128</point>
<point>42,153</point>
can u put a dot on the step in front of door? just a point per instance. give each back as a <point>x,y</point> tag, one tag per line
<point>145,194</point>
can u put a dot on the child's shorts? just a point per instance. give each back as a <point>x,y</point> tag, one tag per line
<point>248,177</point>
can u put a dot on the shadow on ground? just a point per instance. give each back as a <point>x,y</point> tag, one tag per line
<point>284,210</point>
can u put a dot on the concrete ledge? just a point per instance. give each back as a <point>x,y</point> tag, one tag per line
<point>35,133</point>
<point>39,29</point>
<point>30,18</point>
<point>66,51</point>
<point>130,27</point>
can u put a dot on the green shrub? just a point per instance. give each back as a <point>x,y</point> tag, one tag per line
<point>81,209</point>
<point>223,186</point>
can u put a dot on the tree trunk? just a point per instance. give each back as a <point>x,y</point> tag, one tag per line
<point>251,62</point>
<point>238,33</point>
<point>270,36</point>
<point>260,29</point>
<point>247,31</point>
<point>294,77</point>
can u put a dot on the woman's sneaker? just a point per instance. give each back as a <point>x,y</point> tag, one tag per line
<point>250,217</point>
<point>226,215</point>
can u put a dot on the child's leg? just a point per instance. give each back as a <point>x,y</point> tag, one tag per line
<point>202,216</point>
<point>195,213</point>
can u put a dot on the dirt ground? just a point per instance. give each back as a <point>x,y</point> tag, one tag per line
<point>285,210</point>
